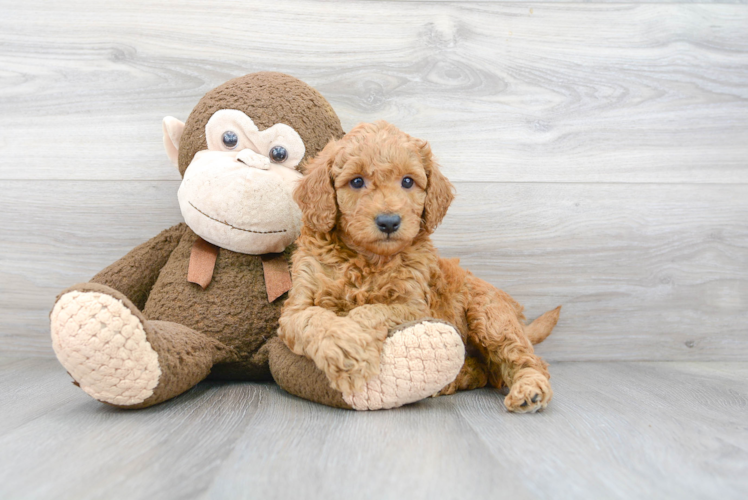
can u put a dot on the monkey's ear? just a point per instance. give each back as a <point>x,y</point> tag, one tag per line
<point>315,193</point>
<point>173,129</point>
<point>439,191</point>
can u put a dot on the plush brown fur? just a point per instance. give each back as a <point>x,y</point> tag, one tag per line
<point>268,98</point>
<point>352,282</point>
<point>233,310</point>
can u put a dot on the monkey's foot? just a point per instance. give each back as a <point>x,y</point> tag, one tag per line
<point>416,362</point>
<point>103,346</point>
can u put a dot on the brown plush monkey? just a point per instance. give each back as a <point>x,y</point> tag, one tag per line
<point>203,297</point>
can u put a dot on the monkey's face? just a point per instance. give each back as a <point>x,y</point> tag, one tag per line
<point>237,179</point>
<point>238,193</point>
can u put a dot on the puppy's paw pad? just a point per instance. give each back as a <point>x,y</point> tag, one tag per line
<point>529,393</point>
<point>416,363</point>
<point>103,346</point>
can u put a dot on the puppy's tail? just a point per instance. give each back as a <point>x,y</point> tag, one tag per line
<point>538,330</point>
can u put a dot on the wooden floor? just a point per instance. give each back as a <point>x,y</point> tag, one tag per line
<point>614,430</point>
<point>600,155</point>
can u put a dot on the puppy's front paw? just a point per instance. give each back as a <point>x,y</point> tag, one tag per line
<point>349,366</point>
<point>349,356</point>
<point>530,392</point>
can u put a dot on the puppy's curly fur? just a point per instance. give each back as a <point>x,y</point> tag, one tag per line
<point>355,277</point>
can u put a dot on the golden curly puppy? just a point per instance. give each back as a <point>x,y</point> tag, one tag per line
<point>365,263</point>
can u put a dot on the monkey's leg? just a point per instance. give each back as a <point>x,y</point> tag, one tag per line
<point>417,360</point>
<point>118,357</point>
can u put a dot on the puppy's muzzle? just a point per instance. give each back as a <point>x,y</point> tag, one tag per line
<point>388,223</point>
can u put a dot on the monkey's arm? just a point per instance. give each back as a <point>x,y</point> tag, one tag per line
<point>135,274</point>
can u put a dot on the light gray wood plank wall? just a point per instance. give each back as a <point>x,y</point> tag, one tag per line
<point>640,272</point>
<point>600,150</point>
<point>568,93</point>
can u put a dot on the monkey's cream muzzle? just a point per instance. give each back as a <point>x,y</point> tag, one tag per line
<point>238,193</point>
<point>243,208</point>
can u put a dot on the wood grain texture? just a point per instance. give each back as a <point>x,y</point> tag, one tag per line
<point>627,430</point>
<point>31,389</point>
<point>600,152</point>
<point>505,92</point>
<point>61,233</point>
<point>652,272</point>
<point>81,448</point>
<point>647,272</point>
<point>599,149</point>
<point>420,452</point>
<point>613,430</point>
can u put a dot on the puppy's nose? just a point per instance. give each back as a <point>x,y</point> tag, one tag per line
<point>388,223</point>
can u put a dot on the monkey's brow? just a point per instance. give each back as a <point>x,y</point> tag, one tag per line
<point>234,227</point>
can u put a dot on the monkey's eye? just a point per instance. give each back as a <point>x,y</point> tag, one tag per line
<point>357,183</point>
<point>278,154</point>
<point>407,182</point>
<point>230,139</point>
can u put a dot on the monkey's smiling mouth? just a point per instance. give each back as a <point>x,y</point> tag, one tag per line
<point>232,226</point>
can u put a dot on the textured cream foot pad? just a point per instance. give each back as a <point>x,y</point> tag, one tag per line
<point>417,362</point>
<point>103,346</point>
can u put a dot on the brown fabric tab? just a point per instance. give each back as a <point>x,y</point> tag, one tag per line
<point>277,275</point>
<point>202,262</point>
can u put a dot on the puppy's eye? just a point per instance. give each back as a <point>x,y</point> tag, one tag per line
<point>407,182</point>
<point>230,139</point>
<point>357,183</point>
<point>278,154</point>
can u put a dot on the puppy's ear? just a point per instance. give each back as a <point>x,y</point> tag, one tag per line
<point>439,191</point>
<point>315,193</point>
